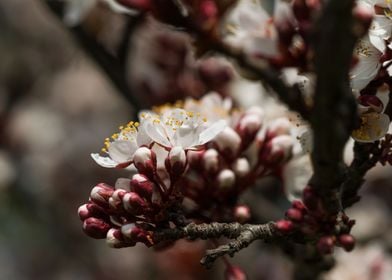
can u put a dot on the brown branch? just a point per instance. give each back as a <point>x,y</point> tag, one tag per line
<point>243,236</point>
<point>334,104</point>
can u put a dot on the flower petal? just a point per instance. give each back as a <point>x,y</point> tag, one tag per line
<point>104,161</point>
<point>122,150</point>
<point>212,131</point>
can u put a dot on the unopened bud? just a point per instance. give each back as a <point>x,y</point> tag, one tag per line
<point>115,201</point>
<point>284,226</point>
<point>115,239</point>
<point>347,241</point>
<point>134,203</point>
<point>141,185</point>
<point>133,232</point>
<point>91,210</point>
<point>228,142</point>
<point>176,162</point>
<point>241,167</point>
<point>95,228</point>
<point>194,158</point>
<point>226,179</point>
<point>145,161</point>
<point>211,161</point>
<point>325,244</point>
<point>101,193</point>
<point>242,213</point>
<point>234,273</point>
<point>310,198</point>
<point>208,9</point>
<point>294,215</point>
<point>297,204</point>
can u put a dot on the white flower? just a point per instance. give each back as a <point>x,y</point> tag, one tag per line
<point>123,146</point>
<point>250,27</point>
<point>368,65</point>
<point>181,128</point>
<point>374,123</point>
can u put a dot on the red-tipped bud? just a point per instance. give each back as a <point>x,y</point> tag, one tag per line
<point>249,125</point>
<point>141,5</point>
<point>297,204</point>
<point>347,241</point>
<point>95,228</point>
<point>115,201</point>
<point>101,193</point>
<point>211,161</point>
<point>226,179</point>
<point>208,9</point>
<point>134,203</point>
<point>141,185</point>
<point>278,150</point>
<point>115,239</point>
<point>145,161</point>
<point>294,215</point>
<point>194,158</point>
<point>91,210</point>
<point>234,273</point>
<point>325,244</point>
<point>284,226</point>
<point>136,234</point>
<point>242,213</point>
<point>228,142</point>
<point>176,162</point>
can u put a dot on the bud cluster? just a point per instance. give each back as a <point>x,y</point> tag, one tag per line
<point>190,165</point>
<point>309,218</point>
<point>241,154</point>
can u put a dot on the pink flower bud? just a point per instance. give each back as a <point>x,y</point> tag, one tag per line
<point>101,193</point>
<point>95,228</point>
<point>211,161</point>
<point>226,179</point>
<point>115,201</point>
<point>228,142</point>
<point>234,273</point>
<point>297,204</point>
<point>242,213</point>
<point>91,210</point>
<point>176,162</point>
<point>294,215</point>
<point>115,239</point>
<point>208,9</point>
<point>284,226</point>
<point>141,185</point>
<point>135,234</point>
<point>145,161</point>
<point>325,244</point>
<point>133,203</point>
<point>278,150</point>
<point>241,167</point>
<point>249,125</point>
<point>347,241</point>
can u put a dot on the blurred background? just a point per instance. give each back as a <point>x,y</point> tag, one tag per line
<point>62,94</point>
